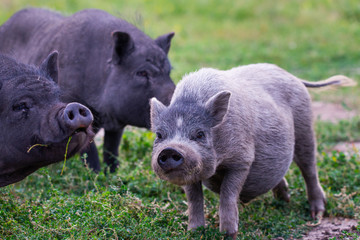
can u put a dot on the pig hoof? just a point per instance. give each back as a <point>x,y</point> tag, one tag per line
<point>317,206</point>
<point>113,168</point>
<point>110,169</point>
<point>231,235</point>
<point>280,192</point>
<point>317,217</point>
<point>196,227</point>
<point>282,195</point>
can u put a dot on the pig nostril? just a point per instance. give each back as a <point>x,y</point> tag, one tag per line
<point>71,115</point>
<point>163,159</point>
<point>176,157</point>
<point>82,112</point>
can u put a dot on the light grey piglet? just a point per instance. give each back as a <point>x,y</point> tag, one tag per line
<point>237,132</point>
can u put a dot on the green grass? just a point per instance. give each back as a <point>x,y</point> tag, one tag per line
<point>311,39</point>
<point>135,204</point>
<point>328,133</point>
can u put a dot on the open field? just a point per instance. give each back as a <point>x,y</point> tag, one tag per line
<point>311,39</point>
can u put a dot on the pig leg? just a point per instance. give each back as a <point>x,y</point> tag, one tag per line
<point>194,194</point>
<point>229,194</point>
<point>111,148</point>
<point>306,160</point>
<point>281,191</point>
<point>92,157</point>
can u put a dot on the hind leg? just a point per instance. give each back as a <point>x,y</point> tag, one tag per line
<point>281,191</point>
<point>305,158</point>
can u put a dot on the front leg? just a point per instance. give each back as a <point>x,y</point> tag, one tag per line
<point>194,194</point>
<point>92,159</point>
<point>111,148</point>
<point>229,194</point>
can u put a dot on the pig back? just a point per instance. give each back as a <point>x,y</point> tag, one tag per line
<point>25,31</point>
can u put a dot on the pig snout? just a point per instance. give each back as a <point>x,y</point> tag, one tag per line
<point>169,159</point>
<point>77,116</point>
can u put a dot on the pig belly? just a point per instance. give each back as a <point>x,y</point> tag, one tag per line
<point>257,183</point>
<point>264,175</point>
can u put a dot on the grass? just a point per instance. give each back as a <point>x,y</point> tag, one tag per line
<point>135,204</point>
<point>311,39</point>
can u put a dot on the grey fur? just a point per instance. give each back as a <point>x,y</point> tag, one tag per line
<point>268,123</point>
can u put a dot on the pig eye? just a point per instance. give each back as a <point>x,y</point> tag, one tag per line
<point>158,135</point>
<point>143,74</point>
<point>200,135</point>
<point>20,107</point>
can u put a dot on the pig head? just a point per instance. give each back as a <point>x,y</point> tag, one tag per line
<point>35,125</point>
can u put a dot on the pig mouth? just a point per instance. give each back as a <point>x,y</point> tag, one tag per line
<point>77,140</point>
<point>80,130</point>
<point>83,136</point>
<point>181,176</point>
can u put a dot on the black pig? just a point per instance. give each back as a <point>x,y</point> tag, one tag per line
<point>105,63</point>
<point>35,125</point>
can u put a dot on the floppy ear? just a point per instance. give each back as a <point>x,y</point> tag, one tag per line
<point>217,106</point>
<point>50,66</point>
<point>123,46</point>
<point>164,41</point>
<point>156,107</point>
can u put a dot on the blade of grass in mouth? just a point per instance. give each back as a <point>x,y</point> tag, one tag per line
<point>36,145</point>
<point>66,150</point>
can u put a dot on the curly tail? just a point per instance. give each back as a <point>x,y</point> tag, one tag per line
<point>338,80</point>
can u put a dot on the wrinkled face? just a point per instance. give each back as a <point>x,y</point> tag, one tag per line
<point>31,114</point>
<point>183,149</point>
<point>137,74</point>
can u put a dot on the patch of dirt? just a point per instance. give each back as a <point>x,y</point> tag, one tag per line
<point>348,147</point>
<point>332,112</point>
<point>341,228</point>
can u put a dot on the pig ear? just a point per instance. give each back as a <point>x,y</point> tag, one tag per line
<point>156,107</point>
<point>217,106</point>
<point>123,46</point>
<point>164,41</point>
<point>50,66</point>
